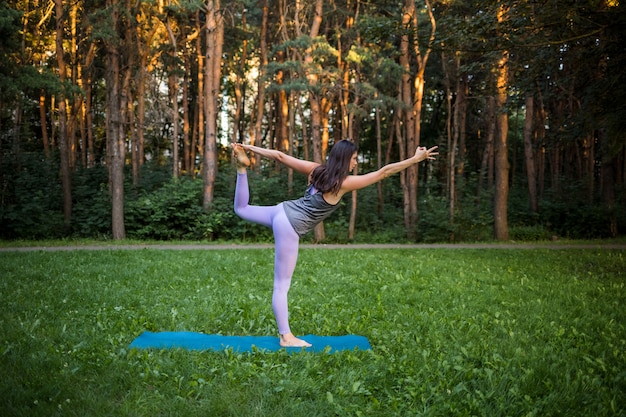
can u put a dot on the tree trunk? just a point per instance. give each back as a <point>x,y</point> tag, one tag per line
<point>137,146</point>
<point>213,60</point>
<point>237,133</point>
<point>379,161</point>
<point>350,88</point>
<point>529,153</point>
<point>399,128</point>
<point>73,107</point>
<point>306,138</point>
<point>173,93</point>
<point>354,201</point>
<point>83,129</point>
<point>451,145</point>
<point>315,102</point>
<point>114,129</point>
<point>91,158</point>
<point>608,190</point>
<point>143,41</point>
<point>282,114</point>
<point>413,100</point>
<point>187,161</point>
<point>419,82</point>
<point>53,103</point>
<point>554,156</point>
<point>501,191</point>
<point>540,131</point>
<point>86,80</point>
<point>461,131</point>
<point>44,124</point>
<point>353,132</point>
<point>589,161</point>
<point>283,126</point>
<point>198,134</point>
<point>344,97</point>
<point>63,136</point>
<point>486,166</point>
<point>457,120</point>
<point>408,119</point>
<point>257,117</point>
<point>128,61</point>
<point>293,98</point>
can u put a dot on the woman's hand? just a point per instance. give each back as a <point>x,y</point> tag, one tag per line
<point>422,153</point>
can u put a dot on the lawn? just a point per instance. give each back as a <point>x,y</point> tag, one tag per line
<point>454,332</point>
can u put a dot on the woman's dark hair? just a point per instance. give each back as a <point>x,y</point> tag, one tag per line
<point>329,176</point>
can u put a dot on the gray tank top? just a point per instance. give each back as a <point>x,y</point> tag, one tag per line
<point>306,212</point>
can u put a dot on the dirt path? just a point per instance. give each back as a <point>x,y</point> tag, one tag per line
<point>554,246</point>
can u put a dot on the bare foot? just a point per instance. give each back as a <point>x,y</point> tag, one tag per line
<point>289,340</point>
<point>240,154</point>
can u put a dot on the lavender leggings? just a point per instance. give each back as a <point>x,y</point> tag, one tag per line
<point>285,242</point>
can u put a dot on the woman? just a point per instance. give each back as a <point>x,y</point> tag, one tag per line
<point>290,220</point>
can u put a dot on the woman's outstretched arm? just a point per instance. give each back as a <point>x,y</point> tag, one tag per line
<point>356,182</point>
<point>298,165</point>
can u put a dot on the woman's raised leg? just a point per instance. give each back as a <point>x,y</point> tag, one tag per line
<point>255,214</point>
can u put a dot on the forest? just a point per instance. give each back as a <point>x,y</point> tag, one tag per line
<point>116,116</point>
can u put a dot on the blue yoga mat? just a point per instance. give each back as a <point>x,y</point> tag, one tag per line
<point>200,341</point>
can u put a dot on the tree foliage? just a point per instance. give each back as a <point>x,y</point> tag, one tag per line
<point>305,86</point>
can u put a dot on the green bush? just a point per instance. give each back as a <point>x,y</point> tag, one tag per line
<point>160,207</point>
<point>170,212</point>
<point>529,233</point>
<point>577,219</point>
<point>91,211</point>
<point>31,198</point>
<point>174,211</point>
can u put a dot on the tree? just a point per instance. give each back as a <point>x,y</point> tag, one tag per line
<point>316,102</point>
<point>501,192</point>
<point>412,93</point>
<point>529,153</point>
<point>257,121</point>
<point>115,121</point>
<point>212,80</point>
<point>146,32</point>
<point>64,148</point>
<point>456,102</point>
<point>328,70</point>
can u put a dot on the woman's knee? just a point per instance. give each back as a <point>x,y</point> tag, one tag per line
<point>242,211</point>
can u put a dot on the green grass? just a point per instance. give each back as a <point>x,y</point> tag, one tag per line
<point>454,333</point>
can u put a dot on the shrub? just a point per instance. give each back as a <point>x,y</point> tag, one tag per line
<point>91,212</point>
<point>529,233</point>
<point>170,212</point>
<point>31,198</point>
